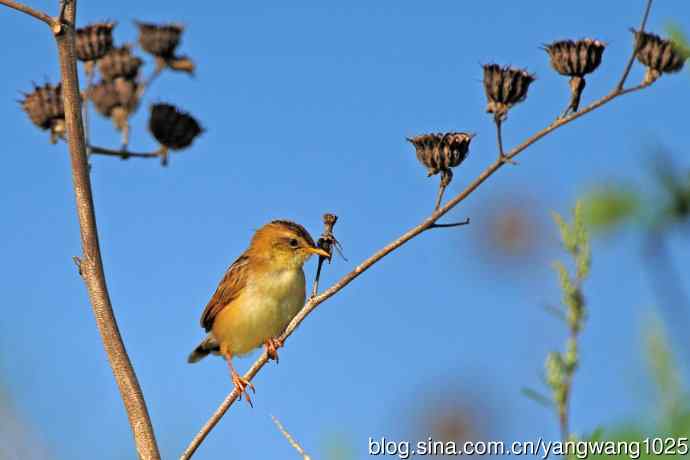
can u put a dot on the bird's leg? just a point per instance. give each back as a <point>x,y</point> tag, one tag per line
<point>272,346</point>
<point>240,382</point>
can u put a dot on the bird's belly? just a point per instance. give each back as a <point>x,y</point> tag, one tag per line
<point>261,312</point>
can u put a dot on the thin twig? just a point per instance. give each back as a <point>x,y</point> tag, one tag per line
<point>327,242</point>
<point>40,15</point>
<point>91,263</point>
<point>124,154</point>
<point>420,228</point>
<point>146,84</point>
<point>441,189</point>
<point>125,134</point>
<point>499,140</point>
<point>628,66</point>
<point>454,224</point>
<point>290,439</point>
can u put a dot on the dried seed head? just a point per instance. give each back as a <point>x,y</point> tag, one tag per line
<point>575,59</point>
<point>172,127</point>
<point>94,40</point>
<point>119,62</point>
<point>115,99</point>
<point>440,152</point>
<point>160,39</point>
<point>659,55</point>
<point>44,106</point>
<point>505,87</point>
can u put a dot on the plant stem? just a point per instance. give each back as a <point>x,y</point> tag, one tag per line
<point>40,15</point>
<point>91,265</point>
<point>631,60</point>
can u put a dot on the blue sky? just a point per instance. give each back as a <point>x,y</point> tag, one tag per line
<point>306,109</point>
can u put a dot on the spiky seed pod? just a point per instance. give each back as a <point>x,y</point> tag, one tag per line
<point>440,152</point>
<point>44,106</point>
<point>575,59</point>
<point>160,39</point>
<point>172,127</point>
<point>94,40</point>
<point>659,55</point>
<point>119,62</point>
<point>505,87</point>
<point>115,99</point>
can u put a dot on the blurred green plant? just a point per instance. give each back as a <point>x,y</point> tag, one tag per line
<point>560,366</point>
<point>678,37</point>
<point>670,415</point>
<point>607,208</point>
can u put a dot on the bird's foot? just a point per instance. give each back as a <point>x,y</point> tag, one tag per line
<point>272,346</point>
<point>241,384</point>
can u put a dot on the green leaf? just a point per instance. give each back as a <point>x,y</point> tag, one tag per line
<point>568,237</point>
<point>679,39</point>
<point>604,209</point>
<point>536,397</point>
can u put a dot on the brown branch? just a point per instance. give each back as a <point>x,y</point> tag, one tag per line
<point>91,265</point>
<point>454,224</point>
<point>124,154</point>
<point>426,224</point>
<point>629,65</point>
<point>52,22</point>
<point>499,140</point>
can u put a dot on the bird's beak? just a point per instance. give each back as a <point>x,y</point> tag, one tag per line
<point>319,252</point>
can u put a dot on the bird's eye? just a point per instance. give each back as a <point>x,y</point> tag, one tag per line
<point>294,243</point>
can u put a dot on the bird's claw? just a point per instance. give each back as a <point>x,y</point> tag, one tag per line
<point>272,346</point>
<point>241,384</point>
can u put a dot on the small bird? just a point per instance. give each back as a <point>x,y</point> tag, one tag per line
<point>258,296</point>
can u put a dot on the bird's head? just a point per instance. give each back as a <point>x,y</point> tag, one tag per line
<point>286,243</point>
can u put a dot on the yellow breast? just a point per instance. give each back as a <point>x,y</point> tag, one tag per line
<point>265,307</point>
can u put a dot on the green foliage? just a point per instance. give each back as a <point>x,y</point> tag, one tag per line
<point>537,397</point>
<point>670,416</point>
<point>560,367</point>
<point>679,38</point>
<point>607,208</point>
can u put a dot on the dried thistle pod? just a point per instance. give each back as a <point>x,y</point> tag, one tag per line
<point>657,54</point>
<point>172,127</point>
<point>119,63</point>
<point>44,106</point>
<point>440,152</point>
<point>116,99</point>
<point>575,59</point>
<point>94,40</point>
<point>505,87</point>
<point>160,39</point>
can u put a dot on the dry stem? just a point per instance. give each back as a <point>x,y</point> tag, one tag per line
<point>52,22</point>
<point>90,264</point>
<point>124,154</point>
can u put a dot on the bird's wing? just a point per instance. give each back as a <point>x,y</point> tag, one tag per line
<point>229,288</point>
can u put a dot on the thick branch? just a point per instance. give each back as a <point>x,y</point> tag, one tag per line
<point>40,15</point>
<point>91,264</point>
<point>426,224</point>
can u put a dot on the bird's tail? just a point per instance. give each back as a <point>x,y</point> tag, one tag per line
<point>206,347</point>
